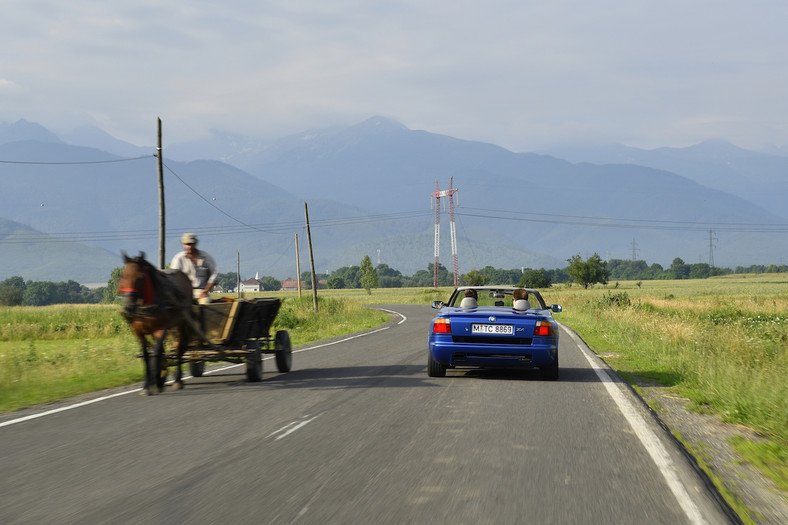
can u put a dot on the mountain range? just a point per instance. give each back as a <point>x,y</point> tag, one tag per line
<point>72,203</point>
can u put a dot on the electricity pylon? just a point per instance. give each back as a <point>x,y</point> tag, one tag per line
<point>455,264</point>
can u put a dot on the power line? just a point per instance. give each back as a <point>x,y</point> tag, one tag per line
<point>71,163</point>
<point>285,227</point>
<point>332,222</point>
<point>207,201</point>
<point>646,224</point>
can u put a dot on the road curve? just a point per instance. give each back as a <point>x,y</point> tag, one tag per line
<point>356,433</point>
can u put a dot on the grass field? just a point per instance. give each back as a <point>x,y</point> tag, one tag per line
<point>722,343</point>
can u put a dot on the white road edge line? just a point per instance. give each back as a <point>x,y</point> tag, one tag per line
<point>649,440</point>
<point>69,407</point>
<point>125,392</point>
<point>395,313</point>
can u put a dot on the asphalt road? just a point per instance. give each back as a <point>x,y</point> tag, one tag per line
<point>356,433</point>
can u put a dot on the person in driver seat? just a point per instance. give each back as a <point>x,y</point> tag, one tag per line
<point>469,301</point>
<point>198,266</point>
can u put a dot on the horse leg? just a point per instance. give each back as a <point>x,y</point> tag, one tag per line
<point>146,360</point>
<point>159,372</point>
<point>178,368</point>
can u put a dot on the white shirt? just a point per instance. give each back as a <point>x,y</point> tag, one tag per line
<point>200,274</point>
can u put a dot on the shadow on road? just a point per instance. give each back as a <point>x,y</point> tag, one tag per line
<point>333,378</point>
<point>385,376</point>
<point>566,375</point>
<point>396,376</point>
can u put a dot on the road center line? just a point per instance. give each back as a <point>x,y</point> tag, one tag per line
<point>291,427</point>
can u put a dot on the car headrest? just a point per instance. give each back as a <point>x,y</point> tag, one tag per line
<point>468,302</point>
<point>521,304</point>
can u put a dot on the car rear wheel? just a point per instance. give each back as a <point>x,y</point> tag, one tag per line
<point>434,368</point>
<point>550,373</point>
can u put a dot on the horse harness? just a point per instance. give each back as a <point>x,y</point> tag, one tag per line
<point>144,288</point>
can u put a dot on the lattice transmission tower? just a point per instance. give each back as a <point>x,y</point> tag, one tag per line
<point>455,264</point>
<point>712,244</point>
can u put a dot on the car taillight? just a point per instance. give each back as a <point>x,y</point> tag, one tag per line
<point>441,326</point>
<point>543,328</point>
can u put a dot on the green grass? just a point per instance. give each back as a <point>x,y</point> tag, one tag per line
<point>60,322</point>
<point>769,457</point>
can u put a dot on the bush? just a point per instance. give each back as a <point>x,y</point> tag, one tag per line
<point>615,299</point>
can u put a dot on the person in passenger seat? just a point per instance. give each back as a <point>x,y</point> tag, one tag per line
<point>520,299</point>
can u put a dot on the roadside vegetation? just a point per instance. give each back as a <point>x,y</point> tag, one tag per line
<point>722,343</point>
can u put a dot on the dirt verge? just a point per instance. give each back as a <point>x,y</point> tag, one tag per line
<point>707,438</point>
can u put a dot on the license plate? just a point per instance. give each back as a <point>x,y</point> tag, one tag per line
<point>505,329</point>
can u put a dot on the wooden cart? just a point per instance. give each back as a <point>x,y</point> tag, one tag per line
<point>237,332</point>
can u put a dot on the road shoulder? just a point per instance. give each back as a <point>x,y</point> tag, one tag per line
<point>706,438</point>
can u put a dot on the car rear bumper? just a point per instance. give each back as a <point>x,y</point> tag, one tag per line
<point>449,353</point>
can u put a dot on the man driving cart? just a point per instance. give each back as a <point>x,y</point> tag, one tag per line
<point>198,266</point>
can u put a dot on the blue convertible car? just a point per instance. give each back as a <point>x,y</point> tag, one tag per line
<point>494,327</point>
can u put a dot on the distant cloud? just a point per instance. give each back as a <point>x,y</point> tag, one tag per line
<point>9,85</point>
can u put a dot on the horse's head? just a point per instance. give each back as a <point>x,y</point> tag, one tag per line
<point>136,283</point>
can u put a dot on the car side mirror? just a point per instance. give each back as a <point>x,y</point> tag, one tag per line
<point>438,304</point>
<point>556,308</point>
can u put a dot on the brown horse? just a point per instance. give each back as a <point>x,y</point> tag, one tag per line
<point>154,302</point>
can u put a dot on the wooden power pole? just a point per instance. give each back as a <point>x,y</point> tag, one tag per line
<point>298,266</point>
<point>311,258</point>
<point>161,199</point>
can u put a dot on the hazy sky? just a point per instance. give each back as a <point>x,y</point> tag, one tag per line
<point>523,74</point>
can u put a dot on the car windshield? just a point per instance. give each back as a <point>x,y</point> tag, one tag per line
<point>497,297</point>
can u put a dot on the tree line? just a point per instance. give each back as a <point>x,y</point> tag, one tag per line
<point>15,291</point>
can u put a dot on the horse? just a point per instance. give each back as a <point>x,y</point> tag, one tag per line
<point>155,302</point>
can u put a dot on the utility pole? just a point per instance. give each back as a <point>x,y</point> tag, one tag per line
<point>437,250</point>
<point>161,197</point>
<point>712,240</point>
<point>455,264</point>
<point>298,266</point>
<point>634,250</point>
<point>311,258</point>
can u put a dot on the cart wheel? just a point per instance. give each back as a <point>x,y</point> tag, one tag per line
<point>284,351</point>
<point>254,362</point>
<point>196,368</point>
